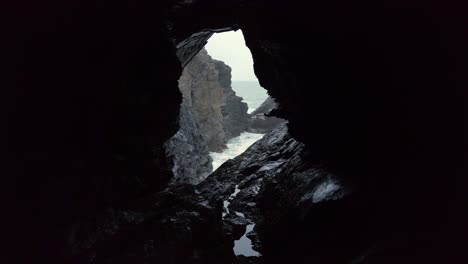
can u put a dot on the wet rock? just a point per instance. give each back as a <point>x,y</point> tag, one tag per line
<point>235,226</point>
<point>172,226</point>
<point>259,159</point>
<point>261,119</point>
<point>278,186</point>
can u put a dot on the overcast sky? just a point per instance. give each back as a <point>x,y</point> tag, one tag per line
<point>230,48</point>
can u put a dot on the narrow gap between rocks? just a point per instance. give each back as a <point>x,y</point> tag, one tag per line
<point>223,112</point>
<point>230,48</point>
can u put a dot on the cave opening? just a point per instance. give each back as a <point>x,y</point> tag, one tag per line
<point>223,111</point>
<point>230,48</point>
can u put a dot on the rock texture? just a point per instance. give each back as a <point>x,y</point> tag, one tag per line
<point>173,226</point>
<point>221,115</point>
<point>187,149</point>
<point>200,86</point>
<point>211,113</point>
<point>262,121</point>
<point>283,193</point>
<point>235,117</point>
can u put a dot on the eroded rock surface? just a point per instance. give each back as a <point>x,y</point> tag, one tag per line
<point>211,113</point>
<point>187,150</point>
<point>261,119</point>
<point>200,86</point>
<point>279,188</point>
<point>235,117</point>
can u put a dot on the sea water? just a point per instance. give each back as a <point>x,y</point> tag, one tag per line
<point>235,147</point>
<point>254,95</point>
<point>243,246</point>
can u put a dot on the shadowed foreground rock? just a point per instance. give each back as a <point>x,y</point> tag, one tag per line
<point>283,193</point>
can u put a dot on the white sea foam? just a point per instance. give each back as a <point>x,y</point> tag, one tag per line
<point>235,147</point>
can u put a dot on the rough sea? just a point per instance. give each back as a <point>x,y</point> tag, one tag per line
<point>254,95</point>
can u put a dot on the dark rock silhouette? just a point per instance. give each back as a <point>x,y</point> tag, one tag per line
<point>200,84</point>
<point>283,193</point>
<point>375,90</point>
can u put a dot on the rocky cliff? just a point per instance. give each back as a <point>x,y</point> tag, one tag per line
<point>282,192</point>
<point>211,113</point>
<point>235,117</point>
<point>199,84</point>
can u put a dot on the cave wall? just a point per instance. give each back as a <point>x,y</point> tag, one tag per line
<point>234,110</point>
<point>204,93</point>
<point>375,91</point>
<point>90,97</point>
<point>263,119</point>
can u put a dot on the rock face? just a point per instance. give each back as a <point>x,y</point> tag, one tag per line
<point>221,115</point>
<point>187,149</point>
<point>235,117</point>
<point>261,120</point>
<point>204,95</point>
<point>258,160</point>
<point>282,192</point>
<point>210,114</point>
<point>188,231</point>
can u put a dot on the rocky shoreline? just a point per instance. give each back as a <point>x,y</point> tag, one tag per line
<point>210,114</point>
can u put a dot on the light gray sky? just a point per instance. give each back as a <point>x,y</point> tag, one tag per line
<point>230,48</point>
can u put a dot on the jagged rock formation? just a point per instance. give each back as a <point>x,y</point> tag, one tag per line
<point>283,193</point>
<point>210,114</point>
<point>172,226</point>
<point>270,152</point>
<point>235,117</point>
<point>187,149</point>
<point>261,119</point>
